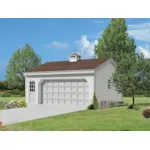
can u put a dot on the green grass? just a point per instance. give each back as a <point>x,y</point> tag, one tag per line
<point>7,99</point>
<point>111,119</point>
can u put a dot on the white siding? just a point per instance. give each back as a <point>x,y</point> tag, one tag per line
<point>102,74</point>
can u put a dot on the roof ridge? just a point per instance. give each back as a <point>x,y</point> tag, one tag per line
<point>77,61</point>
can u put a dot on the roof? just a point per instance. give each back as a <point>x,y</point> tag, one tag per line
<point>66,65</point>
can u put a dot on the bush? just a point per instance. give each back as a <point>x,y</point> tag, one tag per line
<point>133,107</point>
<point>15,92</point>
<point>136,107</point>
<point>12,104</point>
<point>91,106</point>
<point>95,102</point>
<point>5,94</point>
<point>117,104</point>
<point>22,93</point>
<point>130,106</point>
<point>22,103</point>
<point>146,113</point>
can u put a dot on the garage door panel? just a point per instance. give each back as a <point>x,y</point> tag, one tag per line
<point>55,95</point>
<point>74,83</point>
<point>80,96</point>
<point>55,89</point>
<point>49,95</point>
<point>80,89</point>
<point>67,96</point>
<point>61,89</point>
<point>86,89</point>
<point>67,89</point>
<point>50,89</point>
<point>74,96</point>
<point>74,89</point>
<point>61,96</point>
<point>44,89</point>
<point>65,92</point>
<point>67,83</point>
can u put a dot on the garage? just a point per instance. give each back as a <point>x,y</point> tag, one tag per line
<point>73,92</point>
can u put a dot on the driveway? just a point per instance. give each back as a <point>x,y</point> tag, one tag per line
<point>33,112</point>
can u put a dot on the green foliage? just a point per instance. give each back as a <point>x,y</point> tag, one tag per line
<point>2,86</point>
<point>130,74</point>
<point>114,40</point>
<point>12,104</point>
<point>15,92</point>
<point>130,106</point>
<point>22,93</point>
<point>22,103</point>
<point>5,94</point>
<point>95,102</point>
<point>21,61</point>
<point>91,106</point>
<point>135,107</point>
<point>117,104</point>
<point>15,104</point>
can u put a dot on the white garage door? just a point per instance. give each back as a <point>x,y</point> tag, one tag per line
<point>65,92</point>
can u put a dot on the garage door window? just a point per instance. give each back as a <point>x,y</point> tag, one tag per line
<point>32,86</point>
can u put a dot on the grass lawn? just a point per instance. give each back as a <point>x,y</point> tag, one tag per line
<point>11,98</point>
<point>111,119</point>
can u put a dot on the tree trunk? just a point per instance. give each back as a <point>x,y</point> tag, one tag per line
<point>133,99</point>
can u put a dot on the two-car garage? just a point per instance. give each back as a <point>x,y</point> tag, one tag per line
<point>73,92</point>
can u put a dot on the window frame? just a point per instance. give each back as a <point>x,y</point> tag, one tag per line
<point>109,84</point>
<point>32,86</point>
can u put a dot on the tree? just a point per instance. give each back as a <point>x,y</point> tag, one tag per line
<point>114,40</point>
<point>95,102</point>
<point>131,74</point>
<point>21,61</point>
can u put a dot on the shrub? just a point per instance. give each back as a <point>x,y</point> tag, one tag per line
<point>95,102</point>
<point>16,92</point>
<point>91,106</point>
<point>22,93</point>
<point>136,107</point>
<point>5,94</point>
<point>130,106</point>
<point>146,113</point>
<point>22,103</point>
<point>12,104</point>
<point>117,104</point>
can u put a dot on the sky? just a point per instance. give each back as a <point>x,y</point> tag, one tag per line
<point>55,39</point>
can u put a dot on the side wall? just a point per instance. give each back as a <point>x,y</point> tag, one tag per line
<point>102,74</point>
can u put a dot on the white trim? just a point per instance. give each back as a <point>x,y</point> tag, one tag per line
<point>65,72</point>
<point>106,62</point>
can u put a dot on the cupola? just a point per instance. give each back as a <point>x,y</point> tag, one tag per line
<point>74,57</point>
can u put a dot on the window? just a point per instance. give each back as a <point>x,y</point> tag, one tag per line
<point>109,84</point>
<point>32,86</point>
